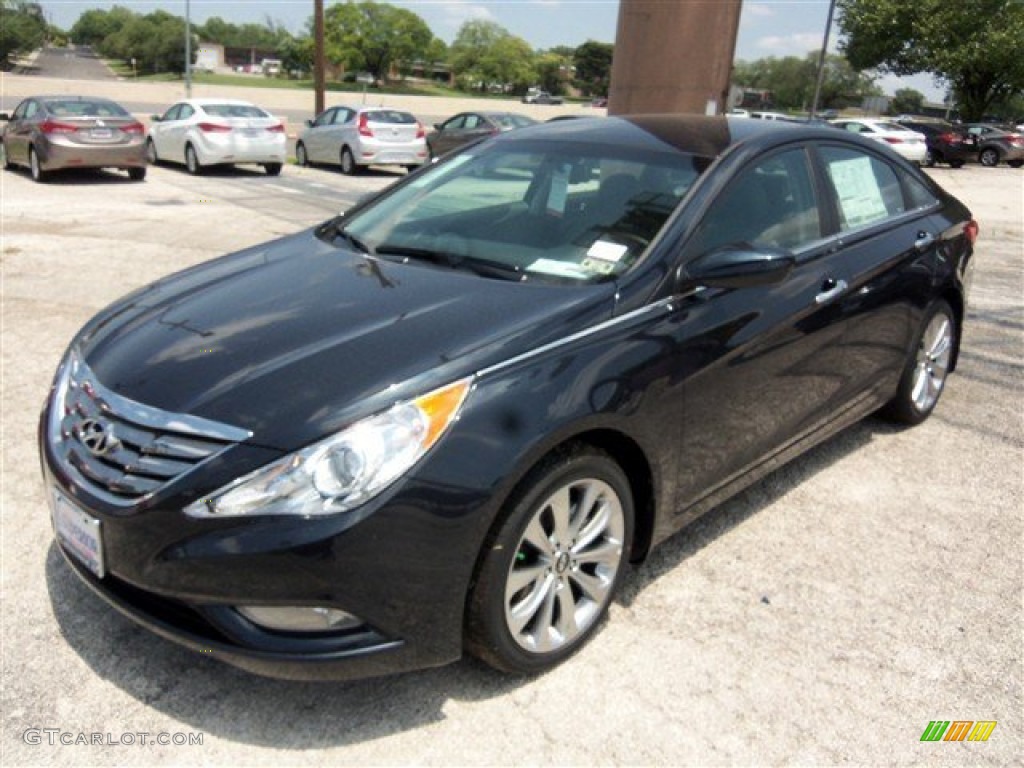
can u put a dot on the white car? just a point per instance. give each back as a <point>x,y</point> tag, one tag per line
<point>769,116</point>
<point>903,141</point>
<point>203,132</point>
<point>355,138</point>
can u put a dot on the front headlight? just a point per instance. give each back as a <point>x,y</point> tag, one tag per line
<point>346,469</point>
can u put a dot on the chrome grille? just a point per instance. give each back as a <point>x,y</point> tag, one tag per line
<point>121,450</point>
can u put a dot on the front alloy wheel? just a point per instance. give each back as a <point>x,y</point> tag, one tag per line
<point>555,564</point>
<point>989,157</point>
<point>192,161</point>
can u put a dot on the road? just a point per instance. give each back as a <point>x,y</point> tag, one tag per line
<point>824,616</point>
<point>74,63</point>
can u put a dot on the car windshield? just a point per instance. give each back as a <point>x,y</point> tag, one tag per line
<point>233,110</point>
<point>85,108</point>
<point>537,210</point>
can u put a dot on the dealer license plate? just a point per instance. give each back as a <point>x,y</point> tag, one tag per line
<point>78,532</point>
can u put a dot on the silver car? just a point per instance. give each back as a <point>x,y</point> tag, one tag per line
<point>356,138</point>
<point>205,132</point>
<point>50,133</point>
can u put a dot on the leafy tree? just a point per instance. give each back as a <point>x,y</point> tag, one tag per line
<point>974,45</point>
<point>156,42</point>
<point>906,101</point>
<point>94,26</point>
<point>791,81</point>
<point>22,28</point>
<point>296,54</point>
<point>593,62</point>
<point>371,36</point>
<point>486,54</point>
<point>551,68</point>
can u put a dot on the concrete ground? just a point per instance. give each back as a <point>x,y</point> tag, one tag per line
<point>824,616</point>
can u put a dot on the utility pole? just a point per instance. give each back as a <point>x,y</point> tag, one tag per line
<point>821,60</point>
<point>188,51</point>
<point>318,55</point>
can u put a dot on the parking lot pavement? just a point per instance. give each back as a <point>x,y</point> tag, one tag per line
<point>824,616</point>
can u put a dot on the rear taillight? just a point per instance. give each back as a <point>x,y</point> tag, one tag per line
<point>949,138</point>
<point>279,128</point>
<point>421,133</point>
<point>133,128</point>
<point>971,230</point>
<point>214,128</point>
<point>893,140</point>
<point>52,126</point>
<point>364,126</point>
<point>1016,138</point>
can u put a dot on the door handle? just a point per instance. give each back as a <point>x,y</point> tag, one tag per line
<point>830,289</point>
<point>924,241</point>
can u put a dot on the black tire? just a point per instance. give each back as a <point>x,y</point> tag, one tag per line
<point>927,367</point>
<point>137,174</point>
<point>192,164</point>
<point>300,155</point>
<point>930,159</point>
<point>34,168</point>
<point>151,155</point>
<point>272,169</point>
<point>578,565</point>
<point>1015,163</point>
<point>989,157</point>
<point>956,163</point>
<point>349,166</point>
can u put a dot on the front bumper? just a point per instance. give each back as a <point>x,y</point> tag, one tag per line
<point>400,567</point>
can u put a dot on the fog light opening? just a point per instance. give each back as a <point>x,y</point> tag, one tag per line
<point>299,618</point>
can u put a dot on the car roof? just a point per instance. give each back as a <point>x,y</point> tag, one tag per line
<point>699,135</point>
<point>202,102</point>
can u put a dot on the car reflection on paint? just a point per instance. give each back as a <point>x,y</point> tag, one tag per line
<point>446,420</point>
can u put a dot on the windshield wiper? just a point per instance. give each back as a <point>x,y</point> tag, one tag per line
<point>332,230</point>
<point>482,267</point>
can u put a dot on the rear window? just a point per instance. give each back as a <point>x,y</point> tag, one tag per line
<point>86,108</point>
<point>233,110</point>
<point>390,116</point>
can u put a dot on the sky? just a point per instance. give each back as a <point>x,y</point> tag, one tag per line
<point>767,27</point>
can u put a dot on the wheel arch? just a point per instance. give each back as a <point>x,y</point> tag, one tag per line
<point>955,299</point>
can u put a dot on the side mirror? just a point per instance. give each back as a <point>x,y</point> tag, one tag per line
<point>437,126</point>
<point>741,266</point>
<point>309,122</point>
<point>4,117</point>
<point>155,118</point>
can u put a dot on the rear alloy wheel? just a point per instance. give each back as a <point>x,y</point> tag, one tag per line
<point>38,174</point>
<point>272,169</point>
<point>192,161</point>
<point>300,154</point>
<point>550,572</point>
<point>925,374</point>
<point>151,156</point>
<point>137,174</point>
<point>989,157</point>
<point>348,163</point>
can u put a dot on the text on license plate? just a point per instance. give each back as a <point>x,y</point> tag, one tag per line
<point>78,532</point>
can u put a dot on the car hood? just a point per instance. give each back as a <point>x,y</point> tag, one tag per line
<point>294,339</point>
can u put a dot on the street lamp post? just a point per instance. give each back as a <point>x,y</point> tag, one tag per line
<point>821,60</point>
<point>188,51</point>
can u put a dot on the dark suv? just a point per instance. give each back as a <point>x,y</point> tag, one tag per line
<point>946,143</point>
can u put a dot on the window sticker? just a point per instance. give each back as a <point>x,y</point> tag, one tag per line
<point>559,190</point>
<point>603,250</point>
<point>860,199</point>
<point>559,269</point>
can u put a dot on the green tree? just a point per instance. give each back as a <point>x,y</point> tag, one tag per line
<point>791,81</point>
<point>22,29</point>
<point>156,42</point>
<point>552,70</point>
<point>296,55</point>
<point>371,36</point>
<point>485,54</point>
<point>94,26</point>
<point>593,62</point>
<point>906,101</point>
<point>974,45</point>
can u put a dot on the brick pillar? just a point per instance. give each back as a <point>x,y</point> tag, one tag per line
<point>673,56</point>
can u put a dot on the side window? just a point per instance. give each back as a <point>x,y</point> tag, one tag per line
<point>324,118</point>
<point>855,128</point>
<point>31,108</point>
<point>171,114</point>
<point>770,204</point>
<point>186,112</point>
<point>343,116</point>
<point>455,123</point>
<point>867,189</point>
<point>19,113</point>
<point>918,195</point>
<point>472,121</point>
